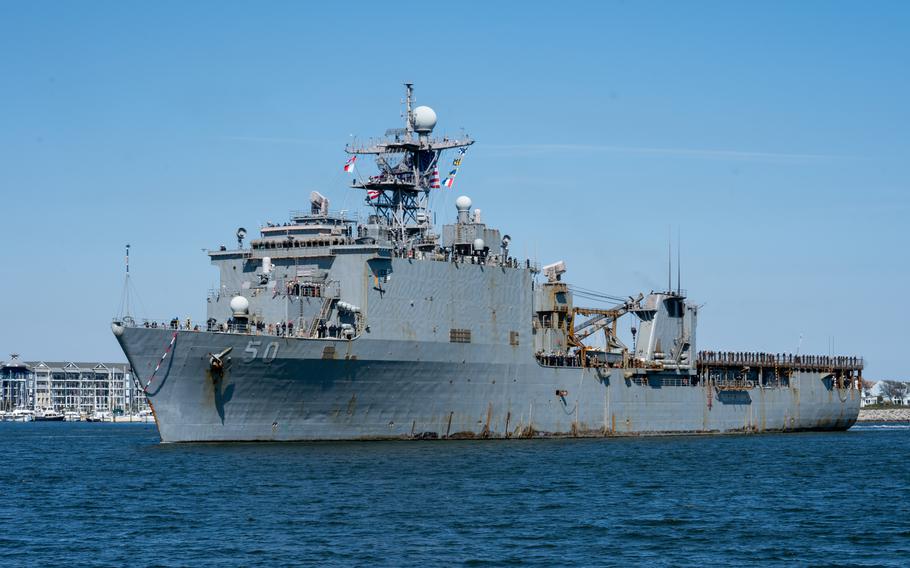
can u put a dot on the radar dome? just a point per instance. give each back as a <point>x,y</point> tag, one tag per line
<point>463,203</point>
<point>424,119</point>
<point>240,305</point>
<point>479,245</point>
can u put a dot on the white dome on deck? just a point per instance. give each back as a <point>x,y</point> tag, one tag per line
<point>240,305</point>
<point>424,119</point>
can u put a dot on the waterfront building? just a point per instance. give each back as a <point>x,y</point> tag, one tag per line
<point>14,384</point>
<point>879,393</point>
<point>70,386</point>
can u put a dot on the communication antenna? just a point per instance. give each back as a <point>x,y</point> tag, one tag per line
<point>127,284</point>
<point>241,234</point>
<point>409,89</point>
<point>669,261</point>
<point>400,194</point>
<point>125,315</point>
<point>678,261</point>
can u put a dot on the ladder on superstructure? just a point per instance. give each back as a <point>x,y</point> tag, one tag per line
<point>322,316</point>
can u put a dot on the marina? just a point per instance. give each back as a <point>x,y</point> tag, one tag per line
<point>56,391</point>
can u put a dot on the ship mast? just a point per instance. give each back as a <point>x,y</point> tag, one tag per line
<point>406,159</point>
<point>125,315</point>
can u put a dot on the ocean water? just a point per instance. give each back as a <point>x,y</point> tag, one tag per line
<point>111,495</point>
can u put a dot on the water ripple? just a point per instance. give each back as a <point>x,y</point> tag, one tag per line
<point>99,495</point>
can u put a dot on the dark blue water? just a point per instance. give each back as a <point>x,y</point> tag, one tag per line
<point>107,494</point>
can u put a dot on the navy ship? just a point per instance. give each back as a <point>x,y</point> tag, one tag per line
<point>338,327</point>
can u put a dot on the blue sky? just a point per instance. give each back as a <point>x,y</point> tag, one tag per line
<point>772,136</point>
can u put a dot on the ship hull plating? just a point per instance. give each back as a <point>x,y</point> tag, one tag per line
<point>286,389</point>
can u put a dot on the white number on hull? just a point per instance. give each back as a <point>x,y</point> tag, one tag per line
<point>252,351</point>
<point>271,351</point>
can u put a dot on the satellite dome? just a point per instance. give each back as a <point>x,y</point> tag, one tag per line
<point>424,119</point>
<point>463,203</point>
<point>479,245</point>
<point>240,305</point>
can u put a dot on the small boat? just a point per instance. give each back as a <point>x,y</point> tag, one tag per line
<point>98,417</point>
<point>48,415</point>
<point>21,415</point>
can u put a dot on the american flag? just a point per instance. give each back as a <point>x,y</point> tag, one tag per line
<point>373,193</point>
<point>349,165</point>
<point>434,181</point>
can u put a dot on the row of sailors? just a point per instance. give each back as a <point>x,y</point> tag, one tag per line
<point>446,255</point>
<point>777,359</point>
<point>563,359</point>
<point>558,359</point>
<point>281,329</point>
<point>175,323</point>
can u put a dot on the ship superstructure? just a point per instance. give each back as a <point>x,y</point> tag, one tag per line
<point>332,326</point>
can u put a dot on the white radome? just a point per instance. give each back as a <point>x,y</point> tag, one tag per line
<point>424,119</point>
<point>479,244</point>
<point>240,305</point>
<point>463,203</point>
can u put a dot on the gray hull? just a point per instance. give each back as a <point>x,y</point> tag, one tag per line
<point>381,328</point>
<point>284,389</point>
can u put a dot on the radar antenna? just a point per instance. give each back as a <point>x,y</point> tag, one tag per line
<point>406,159</point>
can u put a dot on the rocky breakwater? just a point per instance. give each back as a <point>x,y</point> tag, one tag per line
<point>884,415</point>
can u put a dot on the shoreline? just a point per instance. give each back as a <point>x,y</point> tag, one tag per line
<point>884,415</point>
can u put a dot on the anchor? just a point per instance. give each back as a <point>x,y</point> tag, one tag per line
<point>216,363</point>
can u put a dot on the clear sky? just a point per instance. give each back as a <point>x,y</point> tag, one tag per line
<point>772,136</point>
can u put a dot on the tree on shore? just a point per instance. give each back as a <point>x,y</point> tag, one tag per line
<point>894,389</point>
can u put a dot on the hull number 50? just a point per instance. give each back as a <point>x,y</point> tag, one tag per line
<point>253,348</point>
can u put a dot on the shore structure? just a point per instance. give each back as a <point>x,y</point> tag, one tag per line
<point>69,390</point>
<point>333,327</point>
<point>894,414</point>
